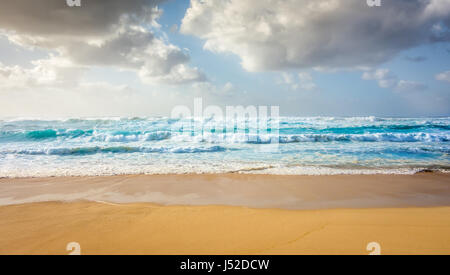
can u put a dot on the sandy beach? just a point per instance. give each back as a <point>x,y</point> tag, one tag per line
<point>224,128</point>
<point>46,228</point>
<point>226,214</point>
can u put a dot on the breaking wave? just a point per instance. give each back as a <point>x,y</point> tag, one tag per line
<point>305,145</point>
<point>118,149</point>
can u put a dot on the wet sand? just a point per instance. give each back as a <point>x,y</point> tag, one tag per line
<point>257,191</point>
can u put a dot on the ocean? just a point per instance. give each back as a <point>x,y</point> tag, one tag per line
<point>157,145</point>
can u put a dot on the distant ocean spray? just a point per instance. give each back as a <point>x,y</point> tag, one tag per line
<point>307,146</point>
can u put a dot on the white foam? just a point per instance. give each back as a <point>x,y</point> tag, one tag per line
<point>321,171</point>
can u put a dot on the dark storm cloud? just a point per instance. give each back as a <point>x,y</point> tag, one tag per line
<point>113,33</point>
<point>55,17</point>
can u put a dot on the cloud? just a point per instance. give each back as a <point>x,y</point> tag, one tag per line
<point>416,59</point>
<point>444,76</point>
<point>226,90</point>
<point>53,72</point>
<point>56,87</point>
<point>116,33</point>
<point>94,18</point>
<point>300,81</point>
<point>388,80</point>
<point>385,78</point>
<point>308,34</point>
<point>406,86</point>
<point>174,28</point>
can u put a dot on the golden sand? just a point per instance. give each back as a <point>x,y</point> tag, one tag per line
<point>46,228</point>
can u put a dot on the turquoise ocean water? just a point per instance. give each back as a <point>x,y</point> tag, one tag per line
<point>158,145</point>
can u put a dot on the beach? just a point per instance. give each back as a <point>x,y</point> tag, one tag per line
<point>226,214</point>
<point>207,127</point>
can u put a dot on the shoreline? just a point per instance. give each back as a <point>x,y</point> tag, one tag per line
<point>250,171</point>
<point>248,190</point>
<point>332,171</point>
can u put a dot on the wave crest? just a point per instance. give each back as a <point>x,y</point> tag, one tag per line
<point>81,151</point>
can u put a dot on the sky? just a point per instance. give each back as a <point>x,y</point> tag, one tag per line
<point>144,57</point>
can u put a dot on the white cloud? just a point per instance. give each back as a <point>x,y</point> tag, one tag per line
<point>406,86</point>
<point>308,34</point>
<point>174,28</point>
<point>167,64</point>
<point>226,90</point>
<point>444,76</point>
<point>385,78</point>
<point>54,72</point>
<point>306,82</point>
<point>288,79</point>
<point>388,80</point>
<point>437,8</point>
<point>56,87</point>
<point>300,81</point>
